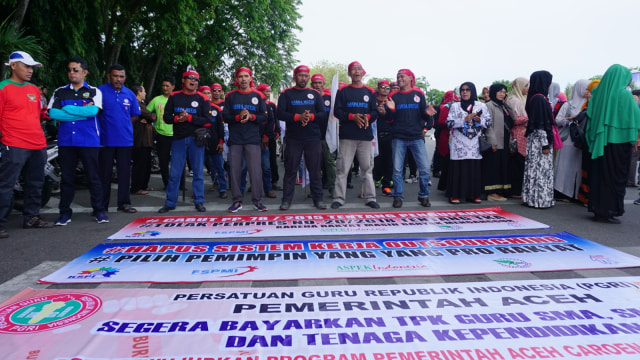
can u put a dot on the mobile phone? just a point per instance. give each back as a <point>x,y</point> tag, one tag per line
<point>479,113</point>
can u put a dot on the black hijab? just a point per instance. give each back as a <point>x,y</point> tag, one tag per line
<point>538,107</point>
<point>467,105</point>
<point>493,92</point>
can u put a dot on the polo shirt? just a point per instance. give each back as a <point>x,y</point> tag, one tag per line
<point>20,116</point>
<point>83,133</point>
<point>118,107</point>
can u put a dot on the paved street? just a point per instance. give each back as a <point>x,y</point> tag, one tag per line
<point>31,254</point>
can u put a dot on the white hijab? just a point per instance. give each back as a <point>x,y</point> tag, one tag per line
<point>577,97</point>
<point>516,99</point>
<point>554,91</point>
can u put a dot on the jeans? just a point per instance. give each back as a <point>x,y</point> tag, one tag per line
<point>419,151</point>
<point>31,163</point>
<point>180,149</point>
<point>216,164</point>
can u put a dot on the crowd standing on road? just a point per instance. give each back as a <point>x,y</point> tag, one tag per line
<point>501,145</point>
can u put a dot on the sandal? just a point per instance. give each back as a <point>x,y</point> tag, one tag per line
<point>141,192</point>
<point>127,209</point>
<point>150,189</point>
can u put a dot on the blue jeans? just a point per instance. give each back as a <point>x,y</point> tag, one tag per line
<point>399,149</point>
<point>216,164</point>
<point>31,163</point>
<point>180,149</point>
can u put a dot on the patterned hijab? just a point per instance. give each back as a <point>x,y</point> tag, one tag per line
<point>614,116</point>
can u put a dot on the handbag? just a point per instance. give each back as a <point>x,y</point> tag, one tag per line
<point>200,136</point>
<point>577,129</point>
<point>484,143</point>
<point>557,140</point>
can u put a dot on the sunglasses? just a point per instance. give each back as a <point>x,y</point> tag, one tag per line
<point>384,87</point>
<point>192,78</point>
<point>73,69</point>
<point>461,90</point>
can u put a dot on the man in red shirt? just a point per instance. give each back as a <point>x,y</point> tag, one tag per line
<point>22,141</point>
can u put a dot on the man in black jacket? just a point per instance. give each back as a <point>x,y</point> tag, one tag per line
<point>188,110</point>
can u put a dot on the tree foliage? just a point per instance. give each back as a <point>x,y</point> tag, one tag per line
<point>155,38</point>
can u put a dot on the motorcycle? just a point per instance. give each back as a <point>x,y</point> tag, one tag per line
<point>51,180</point>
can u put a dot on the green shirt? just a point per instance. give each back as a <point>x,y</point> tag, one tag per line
<point>157,105</point>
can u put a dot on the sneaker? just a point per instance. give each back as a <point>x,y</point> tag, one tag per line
<point>335,205</point>
<point>637,202</point>
<point>320,205</point>
<point>200,208</point>
<point>260,207</point>
<point>166,208</point>
<point>412,179</point>
<point>3,233</point>
<point>36,222</point>
<point>235,207</point>
<point>397,202</point>
<point>378,184</point>
<point>454,201</point>
<point>285,206</point>
<point>424,201</point>
<point>270,194</point>
<point>299,181</point>
<point>386,191</point>
<point>477,200</point>
<point>63,220</point>
<point>101,217</point>
<point>223,195</point>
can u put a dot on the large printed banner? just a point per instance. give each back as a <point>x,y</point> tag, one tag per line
<point>211,227</point>
<point>352,258</point>
<point>538,319</point>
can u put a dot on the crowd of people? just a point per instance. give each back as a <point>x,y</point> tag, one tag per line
<point>497,146</point>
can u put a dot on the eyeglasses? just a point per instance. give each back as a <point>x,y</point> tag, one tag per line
<point>192,78</point>
<point>384,87</point>
<point>216,90</point>
<point>465,89</point>
<point>73,69</point>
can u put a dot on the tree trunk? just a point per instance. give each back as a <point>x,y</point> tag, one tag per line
<point>18,17</point>
<point>151,76</point>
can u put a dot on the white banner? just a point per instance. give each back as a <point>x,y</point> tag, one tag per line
<point>595,318</point>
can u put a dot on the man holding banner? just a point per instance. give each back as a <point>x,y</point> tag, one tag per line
<point>303,111</point>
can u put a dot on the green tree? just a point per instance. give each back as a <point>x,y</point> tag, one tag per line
<point>328,69</point>
<point>154,38</point>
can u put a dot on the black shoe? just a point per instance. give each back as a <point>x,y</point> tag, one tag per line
<point>166,208</point>
<point>223,195</point>
<point>373,205</point>
<point>285,206</point>
<point>424,201</point>
<point>397,202</point>
<point>3,233</point>
<point>320,205</point>
<point>610,220</point>
<point>200,208</point>
<point>335,205</point>
<point>349,186</point>
<point>35,222</point>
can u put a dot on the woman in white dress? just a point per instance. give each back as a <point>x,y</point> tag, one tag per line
<point>568,166</point>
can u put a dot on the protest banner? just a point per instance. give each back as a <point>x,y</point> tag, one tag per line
<point>213,227</point>
<point>595,318</point>
<point>347,258</point>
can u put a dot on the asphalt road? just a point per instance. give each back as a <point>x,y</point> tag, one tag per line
<point>30,254</point>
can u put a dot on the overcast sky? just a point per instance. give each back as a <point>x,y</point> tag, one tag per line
<point>450,42</point>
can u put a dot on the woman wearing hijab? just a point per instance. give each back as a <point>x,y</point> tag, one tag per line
<point>537,185</point>
<point>612,131</point>
<point>568,168</point>
<point>554,98</point>
<point>442,146</point>
<point>466,118</point>
<point>495,174</point>
<point>583,192</point>
<point>516,100</point>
